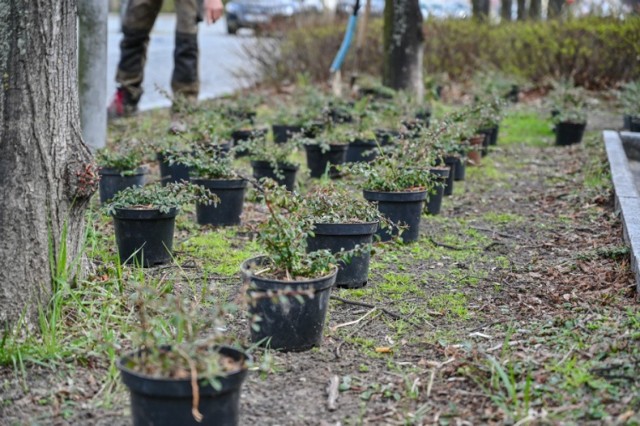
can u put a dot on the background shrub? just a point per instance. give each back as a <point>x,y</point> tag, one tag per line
<point>596,52</point>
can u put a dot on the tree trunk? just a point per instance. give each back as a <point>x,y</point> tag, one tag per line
<point>46,171</point>
<point>403,47</point>
<point>535,10</point>
<point>555,8</point>
<point>480,9</point>
<point>505,10</point>
<point>522,10</point>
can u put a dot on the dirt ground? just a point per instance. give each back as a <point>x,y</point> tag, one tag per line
<point>517,306</point>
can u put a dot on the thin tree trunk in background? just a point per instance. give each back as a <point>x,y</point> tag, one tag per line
<point>555,8</point>
<point>43,162</point>
<point>522,10</point>
<point>505,10</point>
<point>403,47</point>
<point>535,10</point>
<point>481,9</point>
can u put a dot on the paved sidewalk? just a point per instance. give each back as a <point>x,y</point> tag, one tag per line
<point>220,56</point>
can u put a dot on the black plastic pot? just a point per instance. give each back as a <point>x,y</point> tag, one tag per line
<point>626,122</point>
<point>282,133</point>
<point>569,133</point>
<point>317,161</point>
<point>450,162</point>
<point>488,135</point>
<point>401,208</point>
<point>295,325</point>
<point>434,201</point>
<point>346,236</point>
<point>634,124</point>
<point>460,169</point>
<point>170,173</point>
<point>167,402</point>
<point>143,236</point>
<point>227,212</point>
<point>264,169</point>
<point>112,181</point>
<point>362,151</point>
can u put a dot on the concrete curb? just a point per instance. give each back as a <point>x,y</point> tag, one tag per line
<point>626,195</point>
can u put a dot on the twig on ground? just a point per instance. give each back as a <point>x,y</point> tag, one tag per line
<point>337,351</point>
<point>447,246</point>
<point>346,324</point>
<point>367,305</point>
<point>332,393</point>
<point>493,244</point>
<point>566,356</point>
<point>496,347</point>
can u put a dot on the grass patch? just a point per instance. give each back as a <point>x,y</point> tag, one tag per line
<point>219,251</point>
<point>525,128</point>
<point>454,305</point>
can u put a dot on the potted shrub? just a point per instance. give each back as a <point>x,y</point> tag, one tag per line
<point>144,219</point>
<point>570,119</point>
<point>324,152</point>
<point>630,101</point>
<point>436,194</point>
<point>363,143</point>
<point>486,118</point>
<point>180,371</point>
<point>210,133</point>
<point>343,223</point>
<point>286,123</point>
<point>288,288</point>
<point>119,170</point>
<point>273,161</point>
<point>399,189</point>
<point>215,172</point>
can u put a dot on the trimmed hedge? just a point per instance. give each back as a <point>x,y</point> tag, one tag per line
<point>596,52</point>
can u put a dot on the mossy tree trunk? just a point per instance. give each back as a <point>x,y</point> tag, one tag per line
<point>46,171</point>
<point>403,47</point>
<point>505,10</point>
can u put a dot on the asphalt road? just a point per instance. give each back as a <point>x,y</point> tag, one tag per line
<point>221,56</point>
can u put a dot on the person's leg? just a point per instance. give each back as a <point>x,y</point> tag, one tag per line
<point>136,26</point>
<point>185,82</point>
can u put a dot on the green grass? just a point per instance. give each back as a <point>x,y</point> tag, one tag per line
<point>525,128</point>
<point>219,251</point>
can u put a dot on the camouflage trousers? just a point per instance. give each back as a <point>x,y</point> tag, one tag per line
<point>139,17</point>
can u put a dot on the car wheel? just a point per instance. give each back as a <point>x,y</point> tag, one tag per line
<point>232,28</point>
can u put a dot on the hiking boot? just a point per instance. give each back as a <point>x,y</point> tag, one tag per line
<point>122,105</point>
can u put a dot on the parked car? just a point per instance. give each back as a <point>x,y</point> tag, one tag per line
<point>440,9</point>
<point>261,13</point>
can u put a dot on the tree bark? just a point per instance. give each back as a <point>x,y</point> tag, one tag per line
<point>480,9</point>
<point>555,8</point>
<point>535,10</point>
<point>46,171</point>
<point>522,10</point>
<point>505,10</point>
<point>403,47</point>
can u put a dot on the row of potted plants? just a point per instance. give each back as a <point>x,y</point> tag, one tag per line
<point>311,242</point>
